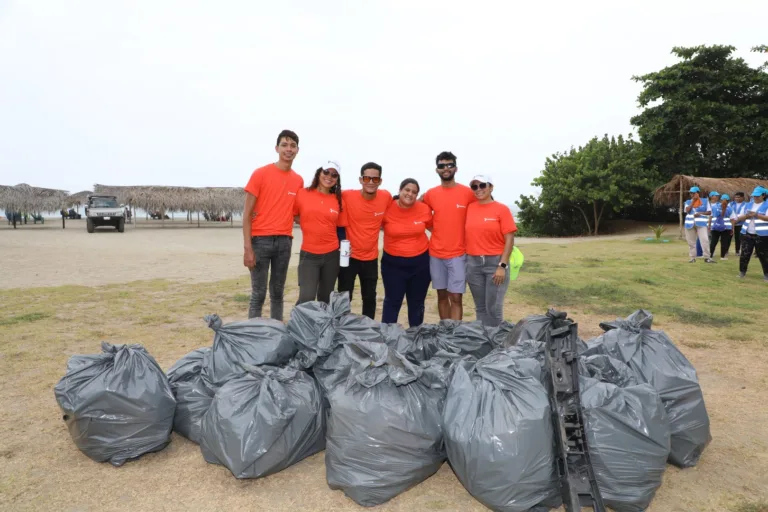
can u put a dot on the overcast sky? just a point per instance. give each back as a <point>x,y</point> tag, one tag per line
<point>194,93</point>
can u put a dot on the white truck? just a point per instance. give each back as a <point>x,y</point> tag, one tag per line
<point>104,210</point>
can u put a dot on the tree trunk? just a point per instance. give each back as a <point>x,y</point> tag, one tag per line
<point>586,219</point>
<point>598,216</point>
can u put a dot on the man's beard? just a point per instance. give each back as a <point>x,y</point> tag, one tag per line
<point>449,178</point>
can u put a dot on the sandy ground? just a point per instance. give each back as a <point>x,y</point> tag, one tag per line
<point>47,255</point>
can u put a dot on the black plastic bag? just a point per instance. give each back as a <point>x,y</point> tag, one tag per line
<point>499,434</point>
<point>499,334</point>
<point>253,342</point>
<point>419,344</point>
<point>655,360</point>
<point>627,433</point>
<point>384,428</point>
<point>193,396</point>
<point>264,421</point>
<point>118,405</point>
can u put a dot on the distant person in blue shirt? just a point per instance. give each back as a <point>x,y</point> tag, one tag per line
<point>720,224</point>
<point>697,212</point>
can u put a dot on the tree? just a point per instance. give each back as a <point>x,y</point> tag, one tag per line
<point>604,174</point>
<point>706,115</point>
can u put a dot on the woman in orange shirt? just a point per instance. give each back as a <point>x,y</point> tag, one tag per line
<point>405,261</point>
<point>320,210</point>
<point>490,234</point>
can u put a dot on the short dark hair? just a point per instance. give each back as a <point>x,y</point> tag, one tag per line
<point>409,181</point>
<point>287,134</point>
<point>446,155</point>
<point>370,165</point>
<point>740,194</point>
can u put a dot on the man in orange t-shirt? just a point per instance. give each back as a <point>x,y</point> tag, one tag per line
<point>447,251</point>
<point>268,225</point>
<point>365,210</point>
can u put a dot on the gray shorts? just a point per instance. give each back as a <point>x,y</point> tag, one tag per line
<point>449,274</point>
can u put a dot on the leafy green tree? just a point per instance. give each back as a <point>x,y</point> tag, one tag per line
<point>605,175</point>
<point>706,115</point>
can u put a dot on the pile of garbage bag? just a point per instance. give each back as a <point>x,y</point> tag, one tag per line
<point>655,360</point>
<point>260,423</point>
<point>118,404</point>
<point>389,405</point>
<point>384,429</point>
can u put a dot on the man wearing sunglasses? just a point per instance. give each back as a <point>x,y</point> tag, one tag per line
<point>447,251</point>
<point>365,213</point>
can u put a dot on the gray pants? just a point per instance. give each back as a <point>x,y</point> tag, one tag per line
<point>489,298</point>
<point>274,251</point>
<point>317,276</point>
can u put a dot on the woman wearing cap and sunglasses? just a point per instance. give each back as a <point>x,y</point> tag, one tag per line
<point>697,212</point>
<point>320,210</point>
<point>490,235</point>
<point>754,232</point>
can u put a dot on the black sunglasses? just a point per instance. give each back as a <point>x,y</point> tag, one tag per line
<point>446,166</point>
<point>369,179</point>
<point>334,175</point>
<point>481,186</point>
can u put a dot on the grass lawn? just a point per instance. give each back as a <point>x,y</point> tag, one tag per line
<point>716,319</point>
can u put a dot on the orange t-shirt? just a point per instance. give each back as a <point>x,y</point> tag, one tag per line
<point>318,216</point>
<point>486,226</point>
<point>275,192</point>
<point>364,218</point>
<point>405,229</point>
<point>450,213</point>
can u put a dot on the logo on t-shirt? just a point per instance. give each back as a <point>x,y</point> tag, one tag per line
<point>460,206</point>
<point>291,193</point>
<point>418,222</point>
<point>376,214</point>
<point>487,219</point>
<point>333,211</point>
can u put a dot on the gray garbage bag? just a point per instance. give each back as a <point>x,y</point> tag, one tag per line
<point>419,344</point>
<point>464,338</point>
<point>193,396</point>
<point>117,405</point>
<point>254,342</point>
<point>499,334</point>
<point>537,327</point>
<point>384,428</point>
<point>655,360</point>
<point>318,328</point>
<point>629,440</point>
<point>264,421</point>
<point>498,432</point>
<point>607,369</point>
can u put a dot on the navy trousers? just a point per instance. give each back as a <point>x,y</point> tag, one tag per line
<point>407,278</point>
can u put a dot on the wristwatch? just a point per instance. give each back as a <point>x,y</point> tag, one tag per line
<point>503,265</point>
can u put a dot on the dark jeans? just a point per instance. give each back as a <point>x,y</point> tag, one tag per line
<point>368,271</point>
<point>737,237</point>
<point>724,237</point>
<point>317,276</point>
<point>405,277</point>
<point>760,245</point>
<point>274,251</point>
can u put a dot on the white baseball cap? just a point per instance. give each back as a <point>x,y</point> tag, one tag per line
<point>330,164</point>
<point>483,178</point>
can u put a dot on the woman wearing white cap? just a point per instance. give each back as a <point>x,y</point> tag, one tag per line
<point>490,237</point>
<point>697,212</point>
<point>320,210</point>
<point>754,232</point>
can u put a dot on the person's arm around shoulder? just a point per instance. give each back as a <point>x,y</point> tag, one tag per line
<point>343,219</point>
<point>297,203</point>
<point>429,217</point>
<point>252,191</point>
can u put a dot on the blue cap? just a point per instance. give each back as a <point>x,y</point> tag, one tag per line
<point>726,197</point>
<point>694,189</point>
<point>714,193</point>
<point>759,191</point>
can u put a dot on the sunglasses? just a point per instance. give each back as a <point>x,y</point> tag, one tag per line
<point>446,166</point>
<point>371,179</point>
<point>333,174</point>
<point>481,186</point>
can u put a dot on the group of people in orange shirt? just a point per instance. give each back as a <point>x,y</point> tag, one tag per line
<point>470,243</point>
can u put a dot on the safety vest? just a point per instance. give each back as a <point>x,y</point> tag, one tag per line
<point>721,222</point>
<point>761,226</point>
<point>739,209</point>
<point>701,222</point>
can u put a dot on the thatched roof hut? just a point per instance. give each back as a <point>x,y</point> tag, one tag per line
<point>78,199</point>
<point>29,199</point>
<point>194,199</point>
<point>669,193</point>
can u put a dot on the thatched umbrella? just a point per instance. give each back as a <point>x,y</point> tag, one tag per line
<point>78,199</point>
<point>673,193</point>
<point>28,199</point>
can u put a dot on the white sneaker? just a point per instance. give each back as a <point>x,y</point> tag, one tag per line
<point>724,258</point>
<point>692,260</point>
<point>709,260</point>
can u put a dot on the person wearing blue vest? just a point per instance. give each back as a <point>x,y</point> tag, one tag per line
<point>720,224</point>
<point>739,208</point>
<point>754,232</point>
<point>697,212</point>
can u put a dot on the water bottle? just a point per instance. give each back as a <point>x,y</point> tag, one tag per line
<point>344,251</point>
